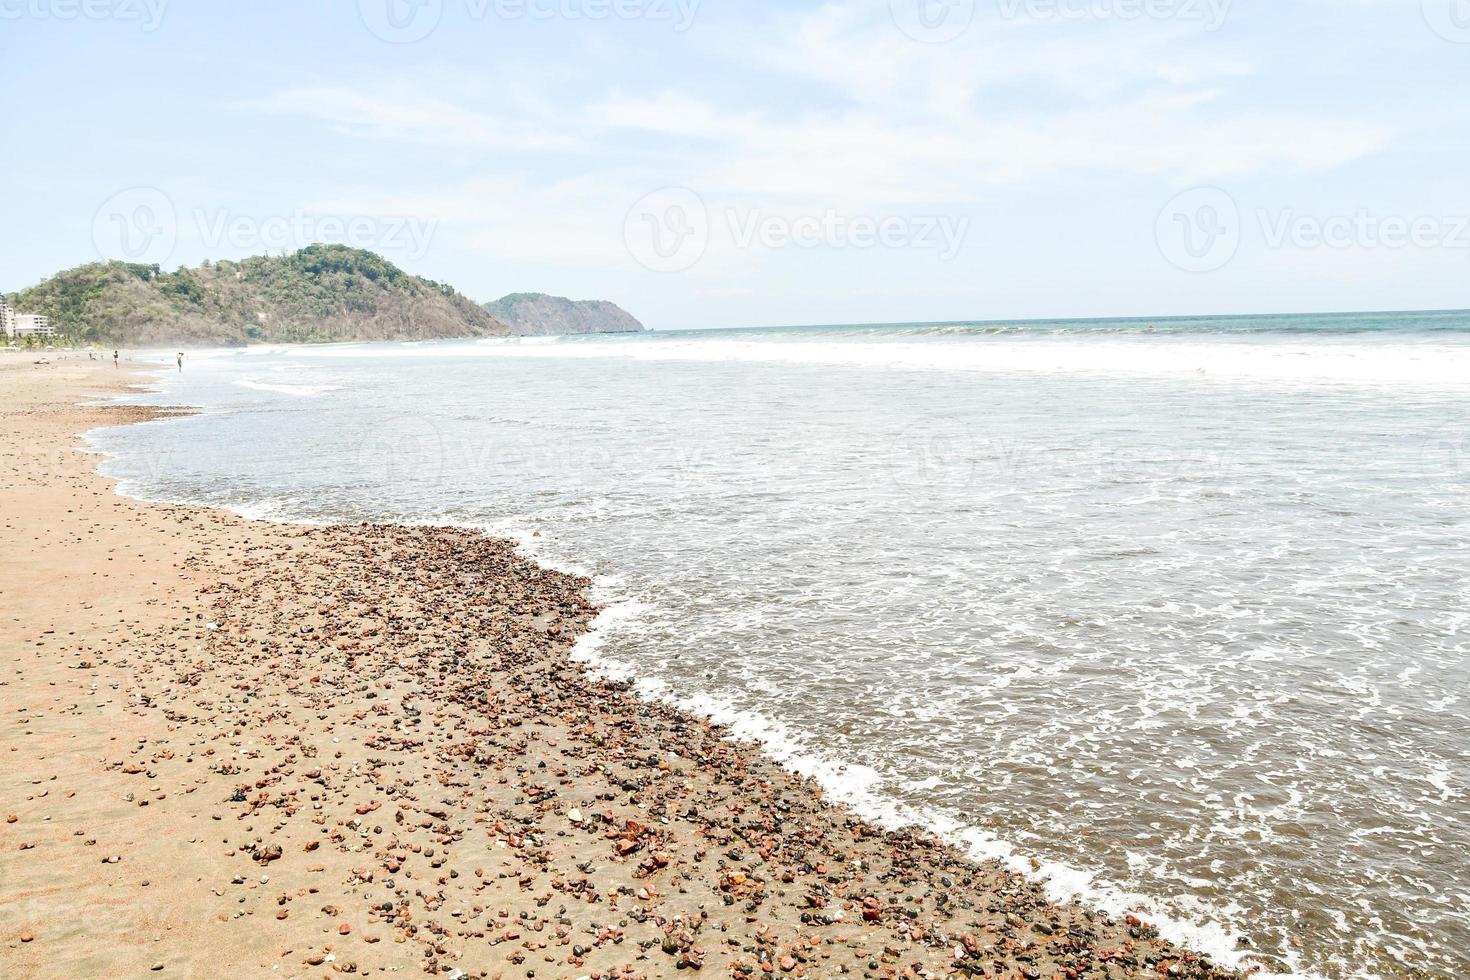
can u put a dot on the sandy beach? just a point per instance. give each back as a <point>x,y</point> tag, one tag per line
<point>234,748</point>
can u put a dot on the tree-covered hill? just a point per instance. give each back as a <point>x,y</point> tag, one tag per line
<point>321,293</point>
<point>531,314</point>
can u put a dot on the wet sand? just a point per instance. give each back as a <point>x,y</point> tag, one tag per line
<point>235,748</point>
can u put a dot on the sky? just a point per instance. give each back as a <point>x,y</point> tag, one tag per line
<point>713,163</point>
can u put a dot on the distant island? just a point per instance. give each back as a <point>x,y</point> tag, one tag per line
<point>537,314</point>
<point>320,294</point>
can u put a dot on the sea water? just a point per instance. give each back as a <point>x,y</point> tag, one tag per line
<point>1174,613</point>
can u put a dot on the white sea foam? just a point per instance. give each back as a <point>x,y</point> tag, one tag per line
<point>284,388</point>
<point>861,788</point>
<point>1362,362</point>
<point>1158,646</point>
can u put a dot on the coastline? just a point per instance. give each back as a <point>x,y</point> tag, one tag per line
<point>365,749</point>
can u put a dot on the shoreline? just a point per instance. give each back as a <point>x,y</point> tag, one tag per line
<point>311,748</point>
<point>1062,883</point>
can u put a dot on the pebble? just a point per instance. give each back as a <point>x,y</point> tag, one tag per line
<point>400,704</point>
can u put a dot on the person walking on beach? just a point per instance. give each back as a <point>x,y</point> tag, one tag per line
<point>114,358</point>
<point>181,362</point>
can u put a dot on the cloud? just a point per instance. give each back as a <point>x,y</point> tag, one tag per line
<point>837,109</point>
<point>844,108</point>
<point>388,113</point>
<point>1012,102</point>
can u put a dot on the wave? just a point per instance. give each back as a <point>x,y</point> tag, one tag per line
<point>883,797</point>
<point>525,341</point>
<point>1435,364</point>
<point>282,388</point>
<point>861,789</point>
<point>855,785</point>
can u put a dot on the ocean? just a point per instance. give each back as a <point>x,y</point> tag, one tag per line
<point>1173,613</point>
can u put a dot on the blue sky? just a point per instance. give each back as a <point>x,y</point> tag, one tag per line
<point>721,163</point>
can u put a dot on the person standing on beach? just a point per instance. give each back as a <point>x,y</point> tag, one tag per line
<point>114,358</point>
<point>181,362</point>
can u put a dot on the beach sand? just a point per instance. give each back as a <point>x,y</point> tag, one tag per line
<point>233,748</point>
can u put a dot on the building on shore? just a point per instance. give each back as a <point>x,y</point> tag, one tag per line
<point>18,326</point>
<point>33,325</point>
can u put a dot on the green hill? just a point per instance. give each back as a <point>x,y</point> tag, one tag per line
<point>321,293</point>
